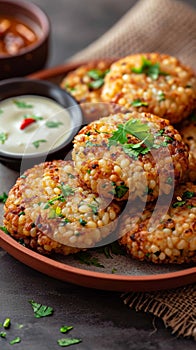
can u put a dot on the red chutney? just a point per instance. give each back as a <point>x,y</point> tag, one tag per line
<point>14,36</point>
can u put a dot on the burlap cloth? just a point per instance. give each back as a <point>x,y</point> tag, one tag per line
<point>167,26</point>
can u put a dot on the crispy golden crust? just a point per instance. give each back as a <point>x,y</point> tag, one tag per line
<point>167,89</point>
<point>51,212</point>
<point>82,86</point>
<point>168,238</point>
<point>188,132</point>
<point>101,166</point>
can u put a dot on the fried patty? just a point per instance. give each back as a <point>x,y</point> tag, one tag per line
<point>85,83</point>
<point>130,155</point>
<point>164,238</point>
<point>152,82</point>
<point>49,210</point>
<point>188,132</point>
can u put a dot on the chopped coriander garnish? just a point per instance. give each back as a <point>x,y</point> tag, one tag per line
<point>68,341</point>
<point>7,323</point>
<point>3,197</point>
<point>119,191</point>
<point>94,208</point>
<point>70,88</point>
<point>96,84</point>
<point>133,127</point>
<point>178,204</point>
<point>41,310</point>
<point>53,124</point>
<point>152,70</point>
<point>22,104</point>
<point>98,78</point>
<point>139,103</point>
<point>15,341</point>
<point>95,74</point>
<point>88,259</point>
<point>36,143</point>
<point>3,334</point>
<point>188,195</point>
<point>21,213</point>
<point>88,171</point>
<point>65,329</point>
<point>35,117</point>
<point>71,176</point>
<point>82,222</point>
<point>4,229</point>
<point>67,190</point>
<point>3,137</point>
<point>161,96</point>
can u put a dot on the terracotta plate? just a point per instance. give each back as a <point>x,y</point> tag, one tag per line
<point>129,274</point>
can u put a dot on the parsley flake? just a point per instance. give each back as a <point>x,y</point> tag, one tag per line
<point>152,70</point>
<point>68,341</point>
<point>188,195</point>
<point>119,190</point>
<point>178,204</point>
<point>41,310</point>
<point>3,197</point>
<point>53,124</point>
<point>4,229</point>
<point>35,117</point>
<point>139,103</point>
<point>3,137</point>
<point>22,104</point>
<point>36,143</point>
<point>67,190</point>
<point>65,329</point>
<point>87,259</point>
<point>15,341</point>
<point>3,334</point>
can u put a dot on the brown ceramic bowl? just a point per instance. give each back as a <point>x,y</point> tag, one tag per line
<point>30,58</point>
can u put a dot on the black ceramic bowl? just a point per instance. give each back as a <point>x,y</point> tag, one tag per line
<point>30,58</point>
<point>14,88</point>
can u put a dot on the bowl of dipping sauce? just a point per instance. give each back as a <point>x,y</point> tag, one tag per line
<point>24,38</point>
<point>38,121</point>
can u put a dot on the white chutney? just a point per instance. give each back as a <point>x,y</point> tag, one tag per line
<point>31,124</point>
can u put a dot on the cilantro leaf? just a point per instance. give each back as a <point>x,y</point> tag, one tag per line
<point>65,329</point>
<point>3,137</point>
<point>53,124</point>
<point>188,195</point>
<point>139,103</point>
<point>178,204</point>
<point>15,341</point>
<point>3,197</point>
<point>22,104</point>
<point>150,69</point>
<point>36,143</point>
<point>68,341</point>
<point>35,117</point>
<point>67,190</point>
<point>3,334</point>
<point>87,259</point>
<point>41,310</point>
<point>96,84</point>
<point>4,229</point>
<point>119,190</point>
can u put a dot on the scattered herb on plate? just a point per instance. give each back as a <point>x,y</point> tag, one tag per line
<point>87,259</point>
<point>15,341</point>
<point>139,103</point>
<point>152,70</point>
<point>68,341</point>
<point>41,310</point>
<point>65,329</point>
<point>3,197</point>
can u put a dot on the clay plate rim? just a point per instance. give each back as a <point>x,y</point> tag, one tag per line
<point>85,278</point>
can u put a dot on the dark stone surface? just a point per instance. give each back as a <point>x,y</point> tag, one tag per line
<point>99,318</point>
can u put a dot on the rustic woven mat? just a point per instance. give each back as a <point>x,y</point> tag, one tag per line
<point>167,26</point>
